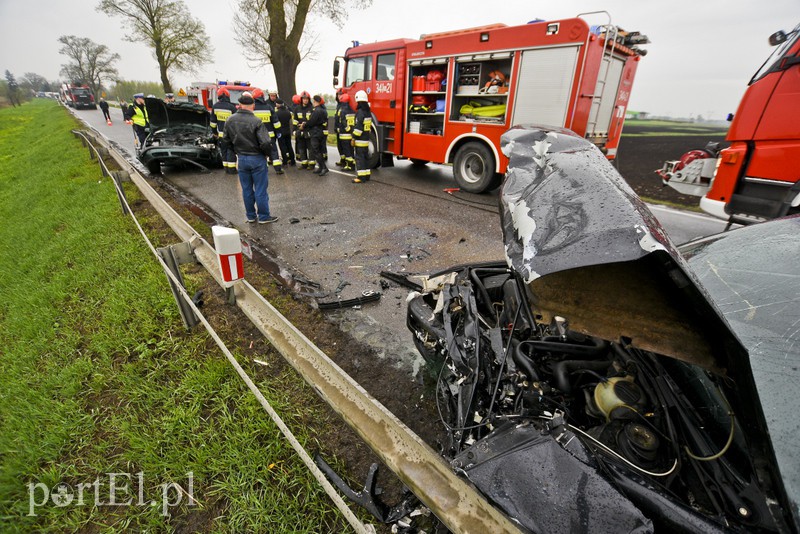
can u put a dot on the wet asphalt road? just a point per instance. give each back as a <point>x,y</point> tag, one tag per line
<point>342,235</point>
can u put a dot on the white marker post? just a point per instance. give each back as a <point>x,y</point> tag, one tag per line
<point>229,255</point>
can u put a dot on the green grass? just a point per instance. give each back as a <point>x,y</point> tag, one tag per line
<point>98,375</point>
<point>670,128</point>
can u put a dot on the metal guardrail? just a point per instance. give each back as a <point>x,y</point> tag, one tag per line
<point>416,464</point>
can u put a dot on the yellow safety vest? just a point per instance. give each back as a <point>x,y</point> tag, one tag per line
<point>139,117</point>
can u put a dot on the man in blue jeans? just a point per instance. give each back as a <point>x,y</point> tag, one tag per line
<point>248,137</point>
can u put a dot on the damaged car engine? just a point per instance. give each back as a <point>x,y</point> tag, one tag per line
<point>187,135</point>
<point>557,427</point>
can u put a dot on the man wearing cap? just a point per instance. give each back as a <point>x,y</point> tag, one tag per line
<point>169,98</point>
<point>284,116</point>
<point>247,136</point>
<point>138,116</point>
<point>315,126</point>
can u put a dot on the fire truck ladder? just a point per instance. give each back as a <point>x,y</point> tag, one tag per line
<point>611,33</point>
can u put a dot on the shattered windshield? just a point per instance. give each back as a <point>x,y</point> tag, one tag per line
<point>754,278</point>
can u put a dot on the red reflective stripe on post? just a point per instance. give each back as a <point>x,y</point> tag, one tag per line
<point>231,266</point>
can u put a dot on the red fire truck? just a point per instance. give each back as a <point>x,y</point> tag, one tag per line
<point>757,176</point>
<point>448,97</point>
<point>205,93</point>
<point>77,95</point>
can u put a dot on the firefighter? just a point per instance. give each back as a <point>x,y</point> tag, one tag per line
<point>361,133</point>
<point>284,116</point>
<point>264,111</point>
<point>220,113</point>
<point>301,114</point>
<point>273,99</point>
<point>293,107</point>
<point>315,127</point>
<point>137,112</point>
<point>344,120</point>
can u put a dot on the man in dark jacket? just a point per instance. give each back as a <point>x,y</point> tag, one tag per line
<point>247,137</point>
<point>284,116</point>
<point>316,128</point>
<point>345,120</point>
<point>104,108</point>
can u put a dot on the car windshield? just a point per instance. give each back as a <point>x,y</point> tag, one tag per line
<point>753,276</point>
<point>777,54</point>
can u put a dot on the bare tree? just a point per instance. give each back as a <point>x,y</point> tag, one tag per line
<point>34,82</point>
<point>179,42</point>
<point>276,32</point>
<point>12,89</point>
<point>90,63</point>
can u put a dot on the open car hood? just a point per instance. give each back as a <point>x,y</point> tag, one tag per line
<point>573,226</point>
<point>164,115</point>
<point>590,250</point>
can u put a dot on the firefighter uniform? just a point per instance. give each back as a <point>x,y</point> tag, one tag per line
<point>221,112</point>
<point>284,118</point>
<point>301,115</point>
<point>361,135</point>
<point>345,120</point>
<point>264,110</point>
<point>315,126</point>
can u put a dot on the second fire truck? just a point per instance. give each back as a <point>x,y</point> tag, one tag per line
<point>448,97</point>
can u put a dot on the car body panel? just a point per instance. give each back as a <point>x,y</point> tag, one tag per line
<point>602,299</point>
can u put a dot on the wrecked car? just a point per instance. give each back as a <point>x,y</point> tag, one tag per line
<point>599,380</point>
<point>180,134</point>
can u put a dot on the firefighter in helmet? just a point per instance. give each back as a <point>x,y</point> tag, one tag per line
<point>344,120</point>
<point>301,115</point>
<point>362,129</point>
<point>264,111</point>
<point>316,126</point>
<point>221,112</point>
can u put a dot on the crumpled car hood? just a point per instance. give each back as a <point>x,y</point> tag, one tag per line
<point>567,215</point>
<point>161,114</point>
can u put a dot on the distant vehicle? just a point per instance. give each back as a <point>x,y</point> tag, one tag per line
<point>77,96</point>
<point>180,134</point>
<point>205,93</point>
<point>756,177</point>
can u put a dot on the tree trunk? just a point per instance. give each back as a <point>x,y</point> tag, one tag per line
<point>162,67</point>
<point>285,69</point>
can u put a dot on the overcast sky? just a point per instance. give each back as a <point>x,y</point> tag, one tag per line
<point>702,55</point>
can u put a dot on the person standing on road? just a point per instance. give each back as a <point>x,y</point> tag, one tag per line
<point>263,110</point>
<point>138,116</point>
<point>104,108</point>
<point>220,113</point>
<point>247,137</point>
<point>284,116</point>
<point>361,134</point>
<point>317,132</point>
<point>301,114</point>
<point>345,119</point>
<point>169,98</point>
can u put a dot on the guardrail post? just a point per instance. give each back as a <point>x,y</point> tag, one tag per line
<point>174,256</point>
<point>119,177</point>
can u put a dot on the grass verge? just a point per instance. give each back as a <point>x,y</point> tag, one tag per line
<point>99,376</point>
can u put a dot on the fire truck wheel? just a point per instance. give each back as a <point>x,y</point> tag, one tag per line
<point>374,158</point>
<point>473,167</point>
